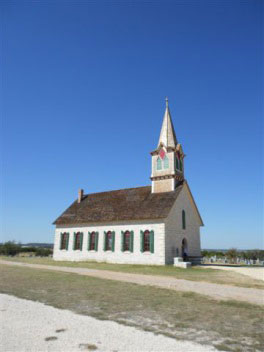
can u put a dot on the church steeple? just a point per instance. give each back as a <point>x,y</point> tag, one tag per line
<point>167,159</point>
<point>167,134</point>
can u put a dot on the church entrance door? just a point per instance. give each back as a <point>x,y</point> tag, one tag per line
<point>184,249</point>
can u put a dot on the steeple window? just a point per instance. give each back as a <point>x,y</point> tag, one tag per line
<point>166,162</point>
<point>177,163</point>
<point>159,164</point>
<point>180,164</point>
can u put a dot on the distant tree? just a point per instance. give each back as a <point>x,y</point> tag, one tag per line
<point>220,254</point>
<point>28,249</point>
<point>232,255</point>
<point>43,252</point>
<point>205,253</point>
<point>10,248</point>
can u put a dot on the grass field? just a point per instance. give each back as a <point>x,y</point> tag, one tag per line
<point>229,326</point>
<point>194,273</point>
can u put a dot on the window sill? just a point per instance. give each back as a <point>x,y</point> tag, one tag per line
<point>147,253</point>
<point>91,250</point>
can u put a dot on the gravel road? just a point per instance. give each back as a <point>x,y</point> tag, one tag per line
<point>216,291</point>
<point>254,273</point>
<point>27,326</point>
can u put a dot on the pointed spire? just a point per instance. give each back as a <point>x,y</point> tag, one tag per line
<point>167,134</point>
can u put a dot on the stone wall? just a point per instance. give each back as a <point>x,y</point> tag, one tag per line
<point>174,231</point>
<point>160,186</point>
<point>136,257</point>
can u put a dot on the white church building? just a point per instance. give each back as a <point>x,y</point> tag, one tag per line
<point>143,225</point>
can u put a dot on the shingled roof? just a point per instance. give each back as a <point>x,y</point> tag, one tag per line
<point>124,204</point>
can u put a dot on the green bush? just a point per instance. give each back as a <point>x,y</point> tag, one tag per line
<point>10,248</point>
<point>43,252</point>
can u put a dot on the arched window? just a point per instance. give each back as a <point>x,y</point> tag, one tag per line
<point>78,239</point>
<point>127,241</point>
<point>183,220</point>
<point>64,240</point>
<point>166,162</point>
<point>146,241</point>
<point>109,241</point>
<point>92,241</point>
<point>159,164</point>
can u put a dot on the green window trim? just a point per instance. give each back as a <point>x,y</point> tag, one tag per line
<point>159,164</point>
<point>67,241</point>
<point>105,234</point>
<point>81,241</point>
<point>96,241</point>
<point>166,162</point>
<point>89,241</point>
<point>61,236</point>
<point>177,163</point>
<point>74,240</point>
<point>180,165</point>
<point>131,241</point>
<point>183,220</point>
<point>141,241</point>
<point>122,241</point>
<point>113,240</point>
<point>131,244</point>
<point>151,241</point>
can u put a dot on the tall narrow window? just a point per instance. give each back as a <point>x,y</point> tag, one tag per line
<point>64,240</point>
<point>127,241</point>
<point>109,241</point>
<point>92,241</point>
<point>159,164</point>
<point>180,164</point>
<point>146,245</point>
<point>177,163</point>
<point>183,220</point>
<point>147,241</point>
<point>78,238</point>
<point>166,162</point>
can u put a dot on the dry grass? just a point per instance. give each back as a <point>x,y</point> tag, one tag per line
<point>230,326</point>
<point>194,273</point>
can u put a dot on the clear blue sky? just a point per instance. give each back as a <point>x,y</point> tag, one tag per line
<point>84,85</point>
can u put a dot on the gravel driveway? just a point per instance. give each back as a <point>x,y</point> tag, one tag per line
<point>254,273</point>
<point>27,326</point>
<point>216,291</point>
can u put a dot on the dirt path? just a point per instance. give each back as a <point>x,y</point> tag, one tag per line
<point>254,273</point>
<point>216,291</point>
<point>27,326</point>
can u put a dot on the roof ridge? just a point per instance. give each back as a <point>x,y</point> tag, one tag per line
<point>116,190</point>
